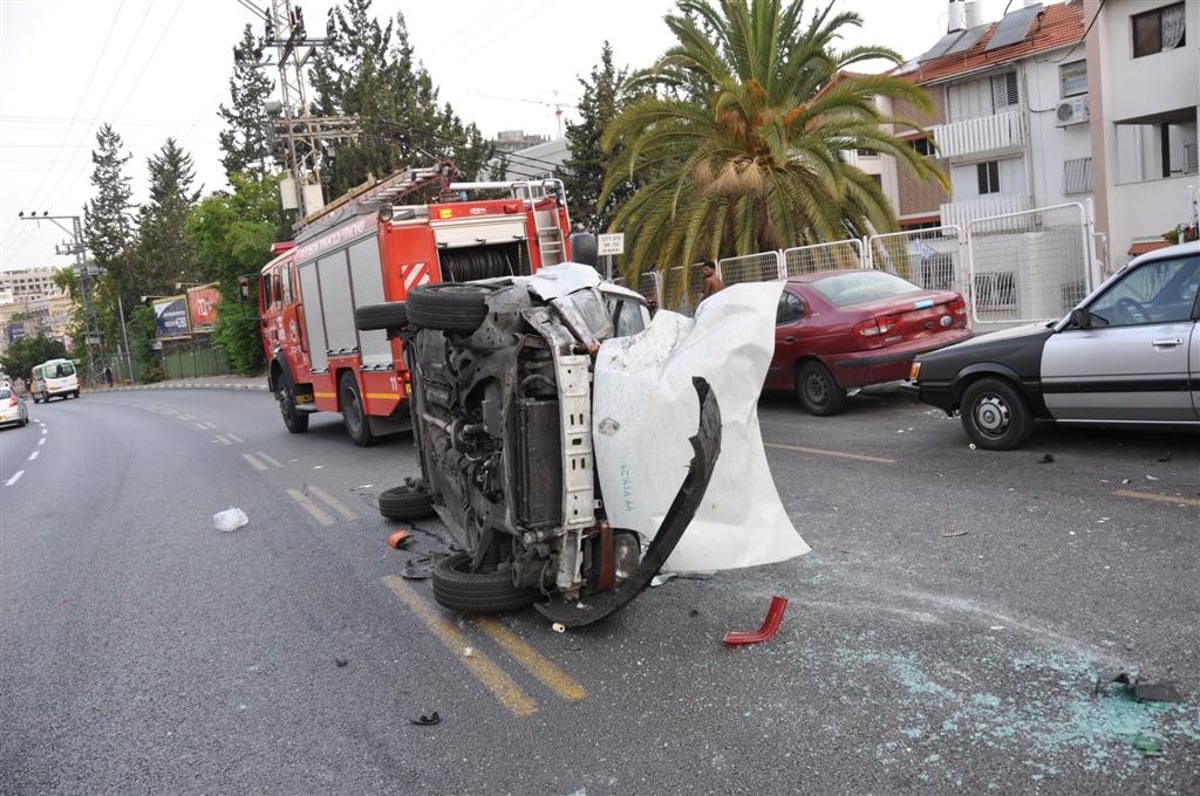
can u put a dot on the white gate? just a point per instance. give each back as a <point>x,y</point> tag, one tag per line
<point>930,258</point>
<point>1029,266</point>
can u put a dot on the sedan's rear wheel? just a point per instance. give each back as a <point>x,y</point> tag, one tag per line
<point>994,415</point>
<point>818,391</point>
<point>459,589</point>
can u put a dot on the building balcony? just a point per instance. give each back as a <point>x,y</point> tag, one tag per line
<point>960,214</point>
<point>984,134</point>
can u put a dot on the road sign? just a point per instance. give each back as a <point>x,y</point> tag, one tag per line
<point>611,244</point>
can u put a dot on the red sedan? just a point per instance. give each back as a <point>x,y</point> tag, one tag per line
<point>838,330</point>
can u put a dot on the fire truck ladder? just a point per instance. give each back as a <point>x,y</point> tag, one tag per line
<point>374,195</point>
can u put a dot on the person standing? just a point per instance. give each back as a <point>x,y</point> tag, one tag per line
<point>108,376</point>
<point>712,280</point>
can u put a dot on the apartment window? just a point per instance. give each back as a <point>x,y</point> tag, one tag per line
<point>1158,30</point>
<point>1072,78</point>
<point>923,146</point>
<point>988,174</point>
<point>1004,91</point>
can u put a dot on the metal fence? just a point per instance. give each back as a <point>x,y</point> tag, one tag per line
<point>761,267</point>
<point>1030,265</point>
<point>824,257</point>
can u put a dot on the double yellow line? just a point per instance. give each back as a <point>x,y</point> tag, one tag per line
<point>493,678</point>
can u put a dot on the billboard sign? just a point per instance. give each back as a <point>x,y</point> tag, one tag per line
<point>171,317</point>
<point>16,330</point>
<point>202,307</point>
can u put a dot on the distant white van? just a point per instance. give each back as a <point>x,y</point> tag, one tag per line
<point>54,378</point>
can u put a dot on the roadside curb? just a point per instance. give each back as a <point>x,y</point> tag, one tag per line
<point>168,385</point>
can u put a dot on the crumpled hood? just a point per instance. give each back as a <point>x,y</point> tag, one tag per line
<point>644,410</point>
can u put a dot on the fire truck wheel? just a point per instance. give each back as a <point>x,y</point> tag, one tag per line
<point>449,306</point>
<point>406,503</point>
<point>391,315</point>
<point>459,589</point>
<point>354,416</point>
<point>294,420</point>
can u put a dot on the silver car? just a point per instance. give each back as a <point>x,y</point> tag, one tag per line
<point>13,410</point>
<point>1127,354</point>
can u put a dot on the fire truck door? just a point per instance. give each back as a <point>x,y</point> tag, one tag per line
<point>366,281</point>
<point>314,325</point>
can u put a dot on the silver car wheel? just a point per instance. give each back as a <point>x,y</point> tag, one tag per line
<point>992,415</point>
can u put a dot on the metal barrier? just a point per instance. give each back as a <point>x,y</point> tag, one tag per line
<point>761,267</point>
<point>824,257</point>
<point>930,258</point>
<point>680,289</point>
<point>1029,266</point>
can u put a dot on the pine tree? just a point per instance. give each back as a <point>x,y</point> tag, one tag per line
<point>246,143</point>
<point>584,169</point>
<point>108,227</point>
<point>165,254</point>
<point>370,72</point>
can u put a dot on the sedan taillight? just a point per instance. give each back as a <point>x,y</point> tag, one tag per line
<point>958,307</point>
<point>12,400</point>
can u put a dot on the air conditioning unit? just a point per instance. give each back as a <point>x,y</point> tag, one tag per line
<point>1071,111</point>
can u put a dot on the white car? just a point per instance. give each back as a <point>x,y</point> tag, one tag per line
<point>13,410</point>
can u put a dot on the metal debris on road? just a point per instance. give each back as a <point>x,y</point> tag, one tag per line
<point>426,721</point>
<point>1046,459</point>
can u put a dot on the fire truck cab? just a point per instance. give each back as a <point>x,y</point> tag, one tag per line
<point>368,249</point>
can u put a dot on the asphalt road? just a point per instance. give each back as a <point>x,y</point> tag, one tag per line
<point>945,634</point>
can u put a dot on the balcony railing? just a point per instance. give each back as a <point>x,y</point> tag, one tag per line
<point>984,134</point>
<point>962,213</point>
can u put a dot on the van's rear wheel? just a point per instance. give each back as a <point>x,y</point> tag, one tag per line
<point>354,413</point>
<point>449,306</point>
<point>406,503</point>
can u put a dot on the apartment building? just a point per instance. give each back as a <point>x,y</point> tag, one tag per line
<point>1143,89</point>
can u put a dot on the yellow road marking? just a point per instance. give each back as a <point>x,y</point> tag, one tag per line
<point>839,454</point>
<point>316,511</point>
<point>266,457</point>
<point>332,502</point>
<point>493,678</point>
<point>1181,501</point>
<point>545,671</point>
<point>255,463</point>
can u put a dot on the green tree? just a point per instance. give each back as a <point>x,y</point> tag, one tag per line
<point>742,146</point>
<point>164,251</point>
<point>585,167</point>
<point>231,234</point>
<point>26,352</point>
<point>246,143</point>
<point>370,73</point>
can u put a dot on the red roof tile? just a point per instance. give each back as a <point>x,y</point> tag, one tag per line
<point>1143,246</point>
<point>1058,25</point>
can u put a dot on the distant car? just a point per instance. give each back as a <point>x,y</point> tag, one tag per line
<point>13,410</point>
<point>1129,353</point>
<point>837,330</point>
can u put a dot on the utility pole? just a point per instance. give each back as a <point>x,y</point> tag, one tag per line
<point>84,274</point>
<point>285,31</point>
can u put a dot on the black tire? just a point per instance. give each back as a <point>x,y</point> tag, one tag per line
<point>449,306</point>
<point>406,503</point>
<point>995,415</point>
<point>475,592</point>
<point>818,391</point>
<point>392,315</point>
<point>354,414</point>
<point>294,420</point>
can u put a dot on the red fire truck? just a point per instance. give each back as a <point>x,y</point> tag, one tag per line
<point>367,249</point>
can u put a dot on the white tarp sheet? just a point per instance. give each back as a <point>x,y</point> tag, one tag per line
<point>645,409</point>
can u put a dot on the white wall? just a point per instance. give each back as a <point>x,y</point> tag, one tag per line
<point>1163,81</point>
<point>1050,144</point>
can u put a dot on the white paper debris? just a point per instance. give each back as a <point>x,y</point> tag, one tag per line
<point>230,519</point>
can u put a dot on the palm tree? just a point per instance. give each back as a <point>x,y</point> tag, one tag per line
<point>739,141</point>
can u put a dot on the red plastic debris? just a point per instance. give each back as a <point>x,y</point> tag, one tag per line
<point>398,539</point>
<point>770,625</point>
